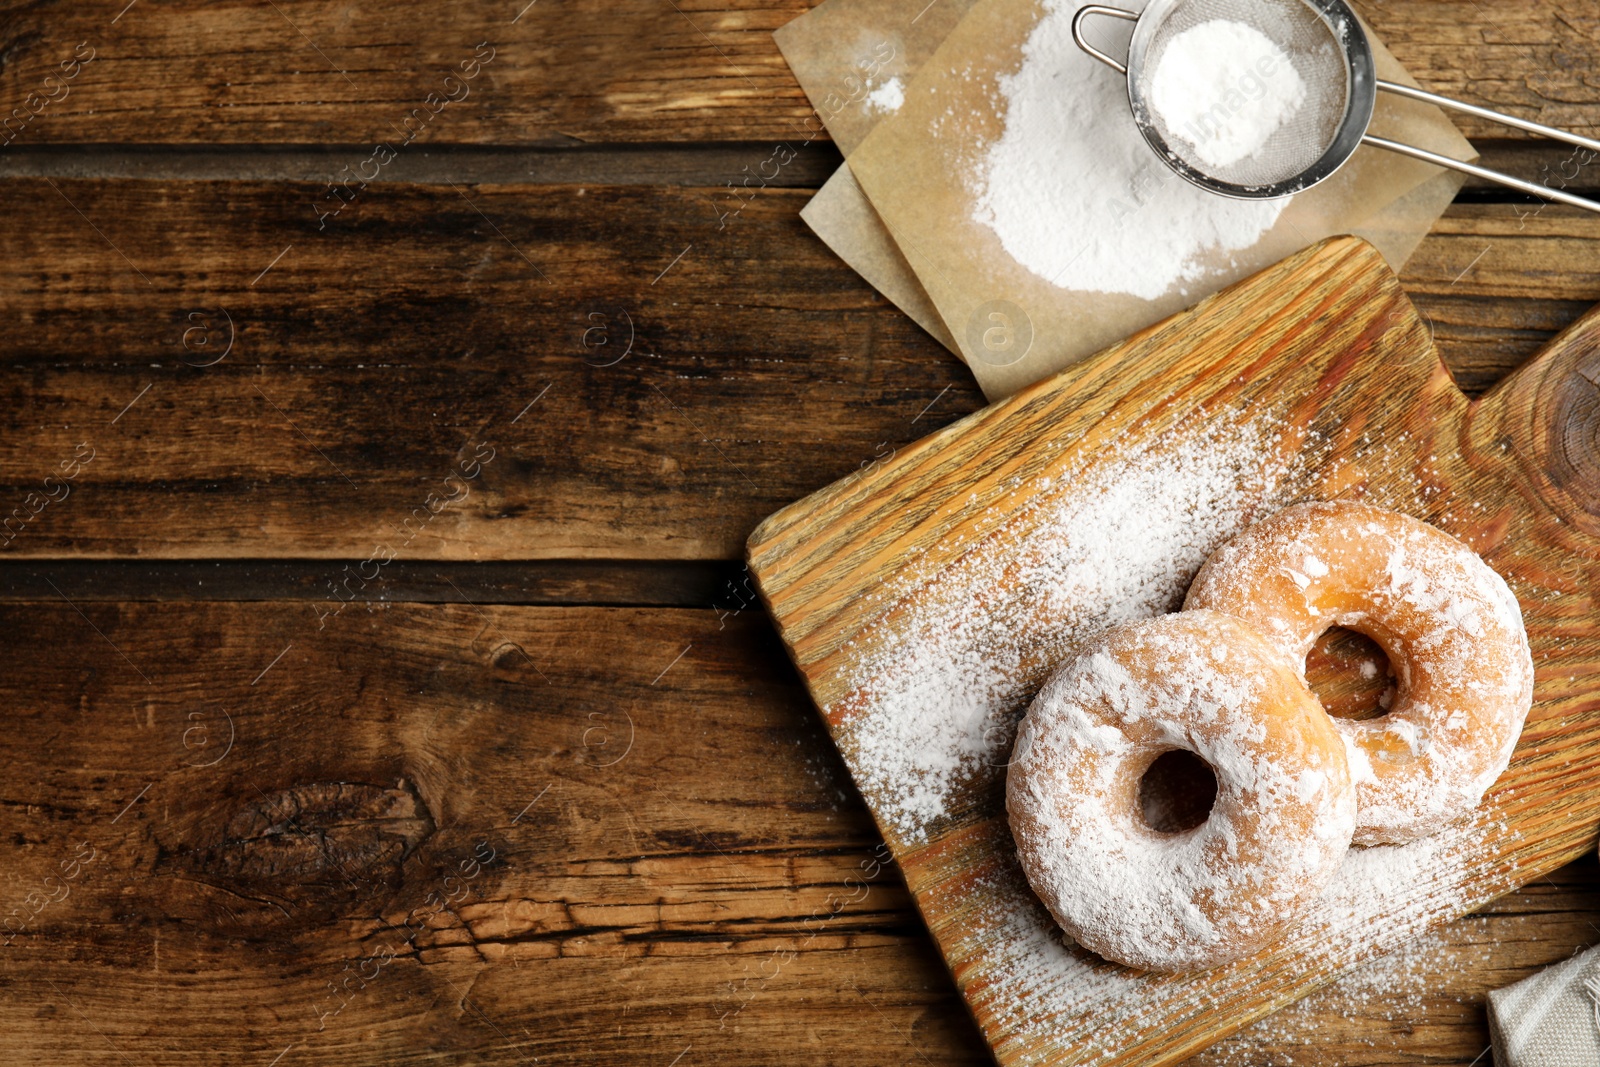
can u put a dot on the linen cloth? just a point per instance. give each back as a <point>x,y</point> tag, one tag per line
<point>1551,1019</point>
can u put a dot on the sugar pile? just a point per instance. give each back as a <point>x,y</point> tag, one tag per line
<point>1077,197</point>
<point>1225,88</point>
<point>887,97</point>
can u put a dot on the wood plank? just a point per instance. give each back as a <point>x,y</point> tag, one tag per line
<point>1425,1003</point>
<point>603,898</point>
<point>378,348</point>
<point>298,72</point>
<point>1495,283</point>
<point>630,71</point>
<point>1543,162</point>
<point>692,164</point>
<point>1534,59</point>
<point>720,586</point>
<point>372,359</point>
<point>706,165</point>
<point>1312,380</point>
<point>630,913</point>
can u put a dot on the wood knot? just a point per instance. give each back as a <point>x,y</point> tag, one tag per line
<point>1574,462</point>
<point>310,853</point>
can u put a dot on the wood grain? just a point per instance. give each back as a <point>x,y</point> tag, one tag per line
<point>723,587</point>
<point>674,906</point>
<point>1425,1004</point>
<point>631,913</point>
<point>411,330</point>
<point>652,912</point>
<point>630,71</point>
<point>1530,58</point>
<point>299,72</point>
<point>270,809</point>
<point>1327,346</point>
<point>370,355</point>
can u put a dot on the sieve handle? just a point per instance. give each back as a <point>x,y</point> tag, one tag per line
<point>1109,12</point>
<point>1489,116</point>
<point>1558,195</point>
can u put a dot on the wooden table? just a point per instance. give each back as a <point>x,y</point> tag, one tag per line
<point>384,684</point>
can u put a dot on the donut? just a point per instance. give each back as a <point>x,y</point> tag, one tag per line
<point>1203,682</point>
<point>1450,625</point>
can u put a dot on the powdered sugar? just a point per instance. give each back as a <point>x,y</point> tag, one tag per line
<point>1029,978</point>
<point>1203,682</point>
<point>1452,625</point>
<point>1075,194</point>
<point>1401,987</point>
<point>936,702</point>
<point>1225,88</point>
<point>887,97</point>
<point>1310,783</point>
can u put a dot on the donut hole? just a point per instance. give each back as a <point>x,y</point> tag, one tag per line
<point>1177,792</point>
<point>1351,674</point>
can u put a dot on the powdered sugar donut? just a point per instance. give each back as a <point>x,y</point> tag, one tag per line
<point>1282,820</point>
<point>1451,627</point>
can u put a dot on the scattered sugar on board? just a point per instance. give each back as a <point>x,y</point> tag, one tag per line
<point>1018,970</point>
<point>1400,988</point>
<point>939,699</point>
<point>1077,197</point>
<point>1030,980</point>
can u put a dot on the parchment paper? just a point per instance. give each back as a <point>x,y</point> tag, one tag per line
<point>836,51</point>
<point>1391,201</point>
<point>844,218</point>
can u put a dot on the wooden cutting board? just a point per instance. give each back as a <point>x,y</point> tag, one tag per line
<point>925,598</point>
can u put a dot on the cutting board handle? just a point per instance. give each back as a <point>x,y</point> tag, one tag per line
<point>1547,415</point>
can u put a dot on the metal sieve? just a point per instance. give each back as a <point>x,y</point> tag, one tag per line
<point>1328,48</point>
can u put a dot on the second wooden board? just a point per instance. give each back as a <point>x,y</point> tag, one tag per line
<point>926,598</point>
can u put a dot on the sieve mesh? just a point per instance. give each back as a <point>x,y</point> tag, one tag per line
<point>1312,47</point>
